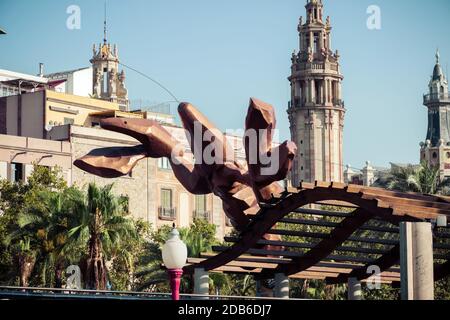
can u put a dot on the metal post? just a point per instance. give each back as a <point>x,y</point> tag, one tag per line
<point>281,289</point>
<point>201,282</point>
<point>354,290</point>
<point>416,261</point>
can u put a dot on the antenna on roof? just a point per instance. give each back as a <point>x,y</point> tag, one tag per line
<point>104,26</point>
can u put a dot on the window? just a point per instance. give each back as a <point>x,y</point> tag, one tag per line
<point>316,43</point>
<point>4,91</point>
<point>69,121</point>
<point>163,163</point>
<point>16,172</point>
<point>434,155</point>
<point>200,203</point>
<point>95,124</point>
<point>105,80</point>
<point>201,211</point>
<point>166,198</point>
<point>166,210</point>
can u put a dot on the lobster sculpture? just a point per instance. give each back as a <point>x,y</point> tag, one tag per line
<point>240,187</point>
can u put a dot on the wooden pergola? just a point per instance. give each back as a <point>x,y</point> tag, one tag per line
<point>333,232</point>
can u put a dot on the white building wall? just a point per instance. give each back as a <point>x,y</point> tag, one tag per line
<point>82,82</point>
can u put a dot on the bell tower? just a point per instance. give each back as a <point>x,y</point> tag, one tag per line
<point>436,149</point>
<point>316,110</point>
<point>108,82</point>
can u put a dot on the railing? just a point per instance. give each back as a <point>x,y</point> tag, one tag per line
<point>315,66</point>
<point>299,103</point>
<point>436,97</point>
<point>200,214</point>
<point>167,213</point>
<point>338,103</point>
<point>9,292</point>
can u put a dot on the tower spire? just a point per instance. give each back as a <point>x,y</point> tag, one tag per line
<point>104,27</point>
<point>438,56</point>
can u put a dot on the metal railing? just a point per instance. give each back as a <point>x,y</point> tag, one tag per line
<point>10,292</point>
<point>167,213</point>
<point>338,103</point>
<point>301,102</point>
<point>436,97</point>
<point>201,214</point>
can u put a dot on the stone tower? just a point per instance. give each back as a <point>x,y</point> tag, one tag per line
<point>316,110</point>
<point>436,149</point>
<point>108,82</point>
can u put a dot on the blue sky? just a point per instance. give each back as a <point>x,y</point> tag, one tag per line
<point>217,54</point>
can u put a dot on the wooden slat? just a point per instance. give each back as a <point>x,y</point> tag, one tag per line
<point>394,201</point>
<point>385,262</point>
<point>328,224</point>
<point>293,254</point>
<point>301,245</point>
<point>322,184</point>
<point>416,212</point>
<point>248,258</point>
<point>306,222</point>
<point>319,235</point>
<point>323,213</point>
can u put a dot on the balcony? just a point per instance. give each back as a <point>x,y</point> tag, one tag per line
<point>169,214</point>
<point>436,97</point>
<point>200,214</point>
<point>300,103</point>
<point>338,103</point>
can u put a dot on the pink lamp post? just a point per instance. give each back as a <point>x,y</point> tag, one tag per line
<point>174,254</point>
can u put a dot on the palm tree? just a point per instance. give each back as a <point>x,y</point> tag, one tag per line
<point>27,259</point>
<point>41,235</point>
<point>102,225</point>
<point>422,179</point>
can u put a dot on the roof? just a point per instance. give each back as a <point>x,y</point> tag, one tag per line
<point>12,75</point>
<point>437,72</point>
<point>116,114</point>
<point>64,73</point>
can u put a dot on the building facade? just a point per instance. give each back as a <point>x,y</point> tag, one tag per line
<point>154,193</point>
<point>34,114</point>
<point>436,148</point>
<point>76,82</point>
<point>316,110</point>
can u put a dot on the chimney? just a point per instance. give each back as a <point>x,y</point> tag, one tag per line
<point>41,69</point>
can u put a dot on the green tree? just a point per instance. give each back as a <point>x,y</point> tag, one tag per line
<point>25,221</point>
<point>101,224</point>
<point>422,179</point>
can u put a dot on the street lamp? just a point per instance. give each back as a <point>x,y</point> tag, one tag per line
<point>174,255</point>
